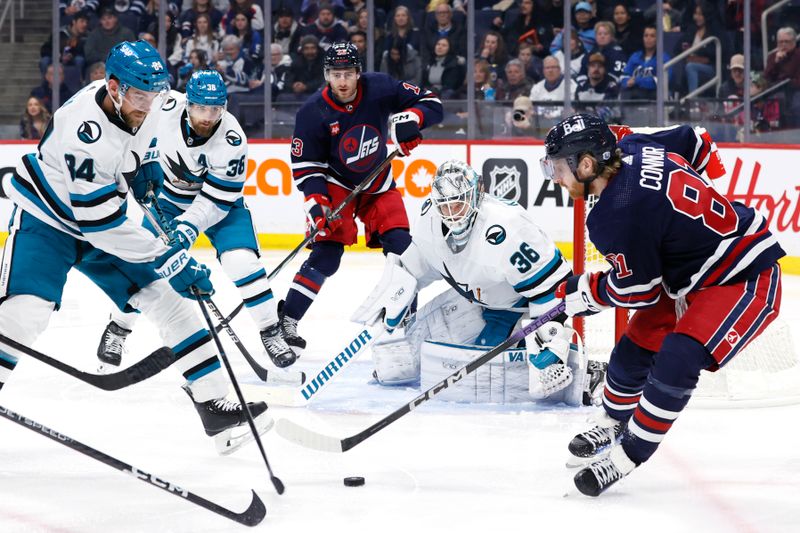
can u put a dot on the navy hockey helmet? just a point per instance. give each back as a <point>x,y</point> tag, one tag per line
<point>575,136</point>
<point>342,55</point>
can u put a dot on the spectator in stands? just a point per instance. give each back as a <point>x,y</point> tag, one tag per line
<point>279,67</point>
<point>96,71</point>
<point>34,120</point>
<point>482,77</point>
<point>733,87</point>
<point>174,38</point>
<point>551,14</point>
<point>672,15</point>
<point>326,28</point>
<point>640,79</point>
<point>107,34</point>
<point>361,24</point>
<point>187,19</point>
<point>442,25</point>
<point>203,39</point>
<point>402,62</point>
<point>359,40</point>
<point>196,60</point>
<point>149,38</point>
<point>784,64</point>
<point>526,28</point>
<point>766,112</point>
<point>700,64</point>
<point>611,51</point>
<point>402,28</point>
<point>236,67</point>
<point>598,84</point>
<point>515,83</point>
<point>132,14</point>
<point>247,7</point>
<point>531,63</point>
<point>44,91</point>
<point>583,23</point>
<point>306,74</point>
<point>309,9</point>
<point>493,51</point>
<point>578,53</point>
<point>444,73</point>
<point>551,88</point>
<point>70,8</point>
<point>627,30</point>
<point>72,38</point>
<point>252,43</point>
<point>286,31</point>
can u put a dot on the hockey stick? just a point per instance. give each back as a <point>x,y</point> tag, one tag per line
<point>276,482</point>
<point>146,368</point>
<point>251,516</point>
<point>301,396</point>
<point>260,371</point>
<point>325,443</point>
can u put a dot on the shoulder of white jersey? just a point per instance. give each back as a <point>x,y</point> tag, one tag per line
<point>230,136</point>
<point>174,103</point>
<point>515,220</point>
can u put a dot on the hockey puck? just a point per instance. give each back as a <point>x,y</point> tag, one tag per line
<point>356,481</point>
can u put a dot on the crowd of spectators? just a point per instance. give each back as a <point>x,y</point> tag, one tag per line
<point>518,49</point>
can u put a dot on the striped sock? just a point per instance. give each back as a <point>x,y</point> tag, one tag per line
<point>304,289</point>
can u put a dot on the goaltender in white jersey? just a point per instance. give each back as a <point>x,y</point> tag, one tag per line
<point>502,269</point>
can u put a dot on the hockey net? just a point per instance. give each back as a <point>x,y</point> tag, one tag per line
<point>765,373</point>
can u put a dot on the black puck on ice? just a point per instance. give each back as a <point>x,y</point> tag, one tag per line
<point>356,481</point>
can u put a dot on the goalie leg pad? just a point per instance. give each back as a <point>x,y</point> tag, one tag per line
<point>395,362</point>
<point>504,379</point>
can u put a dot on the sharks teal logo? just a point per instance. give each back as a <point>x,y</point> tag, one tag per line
<point>233,138</point>
<point>89,131</point>
<point>496,234</point>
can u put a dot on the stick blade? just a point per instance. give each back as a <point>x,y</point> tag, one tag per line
<point>308,439</point>
<point>254,514</point>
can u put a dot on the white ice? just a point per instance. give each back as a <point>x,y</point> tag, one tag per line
<point>445,467</point>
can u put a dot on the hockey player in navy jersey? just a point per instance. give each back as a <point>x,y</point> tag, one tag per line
<point>70,212</point>
<point>203,152</point>
<point>340,136</point>
<point>701,271</point>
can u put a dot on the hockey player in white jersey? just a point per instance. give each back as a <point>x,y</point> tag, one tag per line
<point>204,156</point>
<point>501,268</point>
<point>70,212</point>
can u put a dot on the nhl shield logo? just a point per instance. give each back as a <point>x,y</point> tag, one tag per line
<point>507,179</point>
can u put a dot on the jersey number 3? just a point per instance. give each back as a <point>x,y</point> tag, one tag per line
<point>691,196</point>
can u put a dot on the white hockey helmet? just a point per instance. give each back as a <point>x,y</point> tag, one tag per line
<point>456,193</point>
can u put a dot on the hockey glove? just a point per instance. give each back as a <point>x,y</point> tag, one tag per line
<point>149,177</point>
<point>318,215</point>
<point>405,131</point>
<point>552,341</point>
<point>183,233</point>
<point>183,272</point>
<point>580,294</point>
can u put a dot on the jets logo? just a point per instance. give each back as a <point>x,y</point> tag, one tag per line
<point>496,234</point>
<point>359,148</point>
<point>89,131</point>
<point>233,138</point>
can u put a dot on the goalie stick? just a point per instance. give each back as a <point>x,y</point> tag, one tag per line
<point>301,396</point>
<point>146,368</point>
<point>313,233</point>
<point>251,516</point>
<point>326,443</point>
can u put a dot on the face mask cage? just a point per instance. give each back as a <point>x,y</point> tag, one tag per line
<point>455,193</point>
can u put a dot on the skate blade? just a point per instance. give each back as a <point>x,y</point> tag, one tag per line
<point>232,439</point>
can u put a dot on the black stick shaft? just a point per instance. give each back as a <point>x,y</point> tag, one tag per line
<point>252,516</point>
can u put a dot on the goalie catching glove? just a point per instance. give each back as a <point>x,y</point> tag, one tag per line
<point>319,214</point>
<point>391,298</point>
<point>580,294</point>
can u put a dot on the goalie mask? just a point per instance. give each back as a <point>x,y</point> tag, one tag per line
<point>456,193</point>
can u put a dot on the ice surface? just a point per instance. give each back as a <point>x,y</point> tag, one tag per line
<point>446,467</point>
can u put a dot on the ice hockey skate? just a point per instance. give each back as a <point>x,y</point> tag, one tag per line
<point>289,327</point>
<point>226,421</point>
<point>598,476</point>
<point>112,346</point>
<point>594,443</point>
<point>276,346</point>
